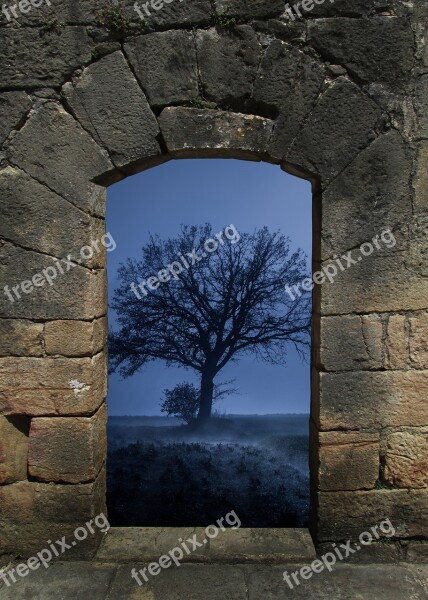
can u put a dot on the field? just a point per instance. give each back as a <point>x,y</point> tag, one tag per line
<point>162,473</point>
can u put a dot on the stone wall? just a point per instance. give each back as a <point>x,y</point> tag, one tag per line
<point>91,94</point>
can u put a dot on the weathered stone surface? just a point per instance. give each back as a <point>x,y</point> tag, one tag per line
<point>379,49</point>
<point>406,461</point>
<point>288,83</point>
<point>52,386</point>
<point>20,338</point>
<point>109,103</point>
<point>351,343</point>
<point>421,105</point>
<point>227,64</point>
<point>247,9</point>
<point>421,179</point>
<point>65,449</point>
<point>35,217</point>
<point>338,128</point>
<point>345,515</point>
<point>30,59</point>
<point>214,133</point>
<point>13,449</point>
<point>385,167</point>
<point>13,108</point>
<point>373,400</point>
<point>348,461</point>
<point>418,341</point>
<point>165,65</point>
<point>44,301</point>
<point>396,342</point>
<point>171,13</point>
<point>75,338</point>
<point>55,149</point>
<point>417,552</point>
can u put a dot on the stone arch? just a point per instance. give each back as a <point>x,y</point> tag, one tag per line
<point>78,122</point>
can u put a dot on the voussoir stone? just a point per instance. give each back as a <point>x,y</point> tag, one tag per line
<point>227,63</point>
<point>108,102</point>
<point>56,150</point>
<point>67,449</point>
<point>13,449</point>
<point>338,128</point>
<point>379,49</point>
<point>165,65</point>
<point>214,133</point>
<point>32,59</point>
<point>20,337</point>
<point>13,108</point>
<point>52,386</point>
<point>406,460</point>
<point>373,399</point>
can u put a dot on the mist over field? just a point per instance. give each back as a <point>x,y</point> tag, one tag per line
<point>164,473</point>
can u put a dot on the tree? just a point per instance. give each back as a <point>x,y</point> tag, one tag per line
<point>222,304</point>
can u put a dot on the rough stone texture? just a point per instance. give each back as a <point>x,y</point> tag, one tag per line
<point>45,301</point>
<point>20,338</point>
<point>348,461</point>
<point>27,206</point>
<point>396,342</point>
<point>345,515</point>
<point>165,65</point>
<point>43,148</point>
<point>420,102</point>
<point>379,49</point>
<point>385,168</point>
<point>338,128</point>
<point>288,83</point>
<point>351,343</point>
<point>13,449</point>
<point>110,104</point>
<point>174,13</point>
<point>421,179</point>
<point>189,131</point>
<point>418,341</point>
<point>67,450</point>
<point>248,8</point>
<point>417,552</point>
<point>75,338</point>
<point>52,386</point>
<point>227,64</point>
<point>372,400</point>
<point>406,463</point>
<point>31,59</point>
<point>13,108</point>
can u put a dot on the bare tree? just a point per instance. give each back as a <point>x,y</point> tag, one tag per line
<point>223,304</point>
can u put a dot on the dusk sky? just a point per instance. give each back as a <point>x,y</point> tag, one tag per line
<point>221,192</point>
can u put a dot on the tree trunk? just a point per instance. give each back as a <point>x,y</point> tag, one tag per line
<point>207,393</point>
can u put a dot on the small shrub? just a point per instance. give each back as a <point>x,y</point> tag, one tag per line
<point>113,17</point>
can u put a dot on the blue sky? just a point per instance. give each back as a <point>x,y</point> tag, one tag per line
<point>220,192</point>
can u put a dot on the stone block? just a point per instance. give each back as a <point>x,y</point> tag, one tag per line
<point>418,341</point>
<point>348,460</point>
<point>406,461</point>
<point>13,109</point>
<point>213,133</point>
<point>288,84</point>
<point>173,15</point>
<point>67,449</point>
<point>249,9</point>
<point>421,178</point>
<point>373,399</point>
<point>351,343</point>
<point>396,342</point>
<point>227,64</point>
<point>339,127</point>
<point>52,386</point>
<point>13,449</point>
<point>385,167</point>
<point>20,337</point>
<point>420,104</point>
<point>165,66</point>
<point>75,338</point>
<point>379,49</point>
<point>53,148</point>
<point>32,58</point>
<point>108,102</point>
